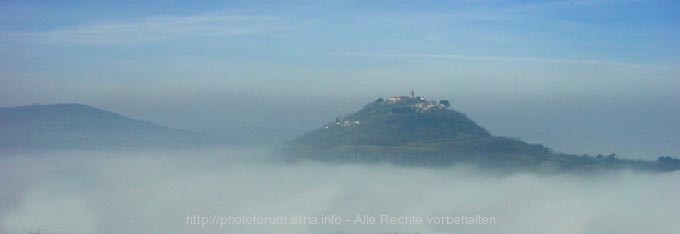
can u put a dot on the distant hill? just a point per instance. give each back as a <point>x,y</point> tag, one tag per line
<point>415,131</point>
<point>77,126</point>
<point>391,122</point>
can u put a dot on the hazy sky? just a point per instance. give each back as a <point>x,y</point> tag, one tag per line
<point>579,76</point>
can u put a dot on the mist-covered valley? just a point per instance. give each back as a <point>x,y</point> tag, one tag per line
<point>339,117</point>
<point>161,191</point>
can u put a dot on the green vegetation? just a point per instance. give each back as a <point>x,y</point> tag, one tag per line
<point>416,132</point>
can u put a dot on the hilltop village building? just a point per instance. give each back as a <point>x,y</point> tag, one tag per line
<point>417,103</point>
<point>421,105</point>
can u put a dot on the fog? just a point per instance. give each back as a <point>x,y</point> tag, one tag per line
<point>155,192</point>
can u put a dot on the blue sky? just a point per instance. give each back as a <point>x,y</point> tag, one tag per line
<point>165,61</point>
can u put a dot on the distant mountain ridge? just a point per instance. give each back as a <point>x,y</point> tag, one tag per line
<point>411,130</point>
<point>78,126</point>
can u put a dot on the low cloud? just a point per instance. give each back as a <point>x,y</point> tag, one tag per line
<point>155,192</point>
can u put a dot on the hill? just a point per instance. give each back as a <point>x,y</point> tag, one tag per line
<point>77,126</point>
<point>418,132</point>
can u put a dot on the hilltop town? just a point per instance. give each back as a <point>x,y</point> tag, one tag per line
<point>415,103</point>
<point>394,104</point>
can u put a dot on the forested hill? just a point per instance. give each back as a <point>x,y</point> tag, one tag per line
<point>412,130</point>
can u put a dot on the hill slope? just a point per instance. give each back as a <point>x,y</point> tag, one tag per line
<point>76,126</point>
<point>414,131</point>
<point>395,123</point>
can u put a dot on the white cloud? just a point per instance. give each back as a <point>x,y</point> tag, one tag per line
<point>163,27</point>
